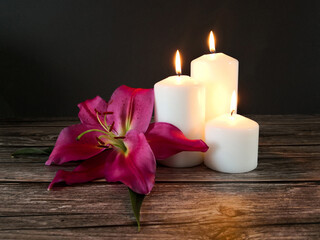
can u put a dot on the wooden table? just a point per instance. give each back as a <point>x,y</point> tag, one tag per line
<point>278,200</point>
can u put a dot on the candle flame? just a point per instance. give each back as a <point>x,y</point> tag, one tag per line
<point>178,63</point>
<point>233,104</point>
<point>212,46</point>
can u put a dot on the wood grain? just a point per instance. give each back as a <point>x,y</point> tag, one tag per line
<point>288,135</point>
<point>265,152</point>
<point>278,200</point>
<point>176,231</point>
<point>29,205</point>
<point>293,130</point>
<point>269,170</point>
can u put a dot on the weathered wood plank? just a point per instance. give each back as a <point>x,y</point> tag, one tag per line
<point>279,200</point>
<point>274,130</point>
<point>30,206</point>
<point>275,164</point>
<point>276,135</point>
<point>36,122</point>
<point>289,151</point>
<point>285,119</point>
<point>269,169</point>
<point>177,231</point>
<point>6,156</point>
<point>31,136</point>
<point>206,211</point>
<point>265,152</point>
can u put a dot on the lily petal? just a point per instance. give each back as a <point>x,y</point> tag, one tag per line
<point>68,148</point>
<point>136,167</point>
<point>89,170</point>
<point>166,140</point>
<point>132,109</point>
<point>88,108</point>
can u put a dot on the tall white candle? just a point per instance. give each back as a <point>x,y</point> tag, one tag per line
<point>233,143</point>
<point>180,100</point>
<point>219,73</point>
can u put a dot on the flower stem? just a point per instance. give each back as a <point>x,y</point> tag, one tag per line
<point>136,202</point>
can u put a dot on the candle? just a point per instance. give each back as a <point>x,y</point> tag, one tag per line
<point>219,73</point>
<point>233,142</point>
<point>180,100</point>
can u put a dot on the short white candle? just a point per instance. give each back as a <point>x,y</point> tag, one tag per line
<point>219,73</point>
<point>233,143</point>
<point>180,100</point>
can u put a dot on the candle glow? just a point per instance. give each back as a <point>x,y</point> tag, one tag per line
<point>212,46</point>
<point>218,72</point>
<point>233,142</point>
<point>180,100</point>
<point>233,104</point>
<point>178,63</point>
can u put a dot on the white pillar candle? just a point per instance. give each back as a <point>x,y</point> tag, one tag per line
<point>219,73</point>
<point>180,100</point>
<point>233,143</point>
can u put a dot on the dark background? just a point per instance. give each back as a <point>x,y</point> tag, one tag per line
<point>55,54</point>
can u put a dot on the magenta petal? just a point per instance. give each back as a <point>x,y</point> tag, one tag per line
<point>67,147</point>
<point>135,168</point>
<point>166,140</point>
<point>88,108</point>
<point>89,170</point>
<point>132,109</point>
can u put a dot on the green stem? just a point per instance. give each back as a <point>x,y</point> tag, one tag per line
<point>136,202</point>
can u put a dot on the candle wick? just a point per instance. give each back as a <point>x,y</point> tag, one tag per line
<point>232,112</point>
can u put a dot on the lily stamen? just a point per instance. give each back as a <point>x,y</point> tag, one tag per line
<point>120,137</point>
<point>100,141</point>
<point>105,118</point>
<point>97,111</point>
<point>104,127</point>
<point>106,147</point>
<point>90,130</point>
<point>111,127</point>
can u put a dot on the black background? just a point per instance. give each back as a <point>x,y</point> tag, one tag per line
<point>55,54</point>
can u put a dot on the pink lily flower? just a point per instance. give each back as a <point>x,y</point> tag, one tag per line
<point>117,141</point>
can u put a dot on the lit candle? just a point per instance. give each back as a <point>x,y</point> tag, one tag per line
<point>219,73</point>
<point>180,100</point>
<point>233,142</point>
